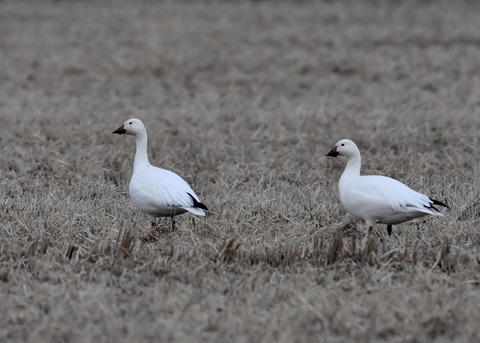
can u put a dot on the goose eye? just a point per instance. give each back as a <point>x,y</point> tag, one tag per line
<point>130,123</point>
<point>343,144</point>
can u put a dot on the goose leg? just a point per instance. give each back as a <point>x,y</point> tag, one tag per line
<point>153,221</point>
<point>173,222</point>
<point>389,229</point>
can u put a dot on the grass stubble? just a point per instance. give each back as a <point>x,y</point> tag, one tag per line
<point>243,100</point>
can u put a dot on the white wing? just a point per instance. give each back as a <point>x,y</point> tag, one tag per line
<point>385,200</point>
<point>157,191</point>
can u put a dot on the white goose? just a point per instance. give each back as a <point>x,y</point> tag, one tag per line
<point>157,192</point>
<point>375,198</point>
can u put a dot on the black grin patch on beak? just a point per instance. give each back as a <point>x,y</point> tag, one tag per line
<point>333,152</point>
<point>120,130</point>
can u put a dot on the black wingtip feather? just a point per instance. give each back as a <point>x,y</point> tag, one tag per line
<point>439,203</point>
<point>436,202</point>
<point>198,204</point>
<point>201,205</point>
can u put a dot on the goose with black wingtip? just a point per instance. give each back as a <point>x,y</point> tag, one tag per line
<point>375,198</point>
<point>157,192</point>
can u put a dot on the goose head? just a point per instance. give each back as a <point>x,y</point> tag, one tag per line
<point>132,127</point>
<point>344,147</point>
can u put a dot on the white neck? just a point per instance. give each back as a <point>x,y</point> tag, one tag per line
<point>141,158</point>
<point>352,171</point>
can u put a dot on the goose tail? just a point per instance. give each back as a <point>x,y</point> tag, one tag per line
<point>197,207</point>
<point>435,210</point>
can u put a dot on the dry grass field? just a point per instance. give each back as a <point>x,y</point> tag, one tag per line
<point>242,99</point>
